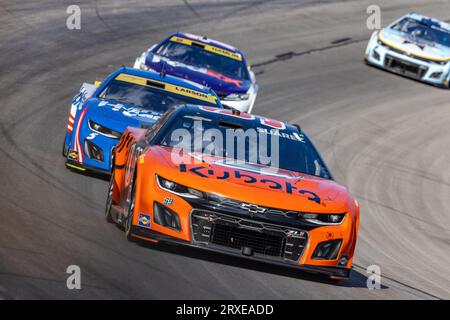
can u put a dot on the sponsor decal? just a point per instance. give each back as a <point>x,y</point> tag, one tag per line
<point>168,201</point>
<point>167,87</point>
<point>131,111</point>
<point>73,155</point>
<point>285,186</point>
<point>144,220</point>
<point>208,47</point>
<point>343,261</point>
<point>276,132</point>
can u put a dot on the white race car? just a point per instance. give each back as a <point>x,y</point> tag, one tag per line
<point>414,46</point>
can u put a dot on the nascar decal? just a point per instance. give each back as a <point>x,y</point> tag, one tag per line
<point>167,87</point>
<point>208,47</point>
<point>287,187</point>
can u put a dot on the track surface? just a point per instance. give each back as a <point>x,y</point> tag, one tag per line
<point>384,137</point>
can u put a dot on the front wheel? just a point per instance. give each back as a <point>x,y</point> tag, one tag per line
<point>109,200</point>
<point>129,221</point>
<point>64,148</point>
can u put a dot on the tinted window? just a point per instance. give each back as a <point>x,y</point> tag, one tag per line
<point>198,57</point>
<point>295,150</point>
<point>145,97</point>
<point>422,30</point>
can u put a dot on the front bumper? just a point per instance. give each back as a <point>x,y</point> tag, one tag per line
<point>154,236</point>
<point>393,60</point>
<point>271,236</point>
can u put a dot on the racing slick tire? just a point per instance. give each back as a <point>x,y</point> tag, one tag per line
<point>128,223</point>
<point>109,200</point>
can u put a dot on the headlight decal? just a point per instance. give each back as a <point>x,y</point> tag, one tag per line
<point>100,129</point>
<point>236,97</point>
<point>179,189</point>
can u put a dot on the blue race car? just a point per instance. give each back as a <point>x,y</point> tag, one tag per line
<point>205,61</point>
<point>101,112</point>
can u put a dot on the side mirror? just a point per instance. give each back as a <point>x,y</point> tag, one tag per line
<point>97,83</point>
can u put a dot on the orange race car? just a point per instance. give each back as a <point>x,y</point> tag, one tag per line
<point>235,183</point>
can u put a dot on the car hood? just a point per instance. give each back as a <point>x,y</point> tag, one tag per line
<point>118,116</point>
<point>249,183</point>
<point>221,84</point>
<point>415,46</point>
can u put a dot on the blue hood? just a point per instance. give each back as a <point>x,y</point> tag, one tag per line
<point>119,116</point>
<point>222,85</point>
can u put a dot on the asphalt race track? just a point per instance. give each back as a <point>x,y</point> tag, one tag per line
<point>385,137</point>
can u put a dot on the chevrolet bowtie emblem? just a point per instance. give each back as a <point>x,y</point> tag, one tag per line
<point>253,208</point>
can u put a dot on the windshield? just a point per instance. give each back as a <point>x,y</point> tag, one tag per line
<point>422,30</point>
<point>146,97</point>
<point>197,56</point>
<point>243,142</point>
